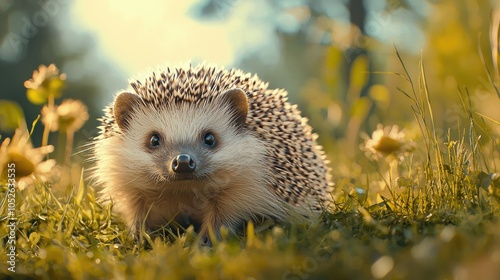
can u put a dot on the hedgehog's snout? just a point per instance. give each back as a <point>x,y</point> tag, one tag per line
<point>183,163</point>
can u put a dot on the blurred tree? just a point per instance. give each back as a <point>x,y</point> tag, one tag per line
<point>326,52</point>
<point>322,48</point>
<point>42,32</point>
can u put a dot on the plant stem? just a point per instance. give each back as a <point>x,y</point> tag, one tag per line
<point>69,145</point>
<point>46,130</point>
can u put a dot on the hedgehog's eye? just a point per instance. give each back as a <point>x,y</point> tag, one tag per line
<point>155,140</point>
<point>209,139</point>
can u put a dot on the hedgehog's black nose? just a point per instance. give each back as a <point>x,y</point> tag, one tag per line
<point>183,163</point>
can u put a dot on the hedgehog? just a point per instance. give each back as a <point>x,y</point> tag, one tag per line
<point>208,147</point>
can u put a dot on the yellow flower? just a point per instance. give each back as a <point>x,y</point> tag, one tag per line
<point>46,82</point>
<point>67,117</point>
<point>49,118</point>
<point>28,161</point>
<point>386,141</point>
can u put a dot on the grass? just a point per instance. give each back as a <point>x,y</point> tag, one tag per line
<point>429,213</point>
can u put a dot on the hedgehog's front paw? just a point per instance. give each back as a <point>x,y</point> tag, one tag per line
<point>206,237</point>
<point>205,241</point>
<point>209,234</point>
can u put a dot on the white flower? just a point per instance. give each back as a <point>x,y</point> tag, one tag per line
<point>67,117</point>
<point>29,163</point>
<point>45,83</point>
<point>387,141</point>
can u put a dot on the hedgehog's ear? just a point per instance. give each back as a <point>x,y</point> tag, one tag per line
<point>123,107</point>
<point>237,100</point>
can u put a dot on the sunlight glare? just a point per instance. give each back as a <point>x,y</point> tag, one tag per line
<point>138,35</point>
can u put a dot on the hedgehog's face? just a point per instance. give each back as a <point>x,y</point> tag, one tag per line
<point>188,145</point>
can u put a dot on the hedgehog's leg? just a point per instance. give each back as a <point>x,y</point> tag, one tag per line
<point>138,216</point>
<point>211,222</point>
<point>214,219</point>
<point>136,220</point>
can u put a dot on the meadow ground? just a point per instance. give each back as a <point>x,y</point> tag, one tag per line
<point>425,207</point>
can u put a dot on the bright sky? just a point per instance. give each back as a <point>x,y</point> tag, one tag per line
<point>142,34</point>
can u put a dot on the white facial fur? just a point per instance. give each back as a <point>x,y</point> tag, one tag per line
<point>234,185</point>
